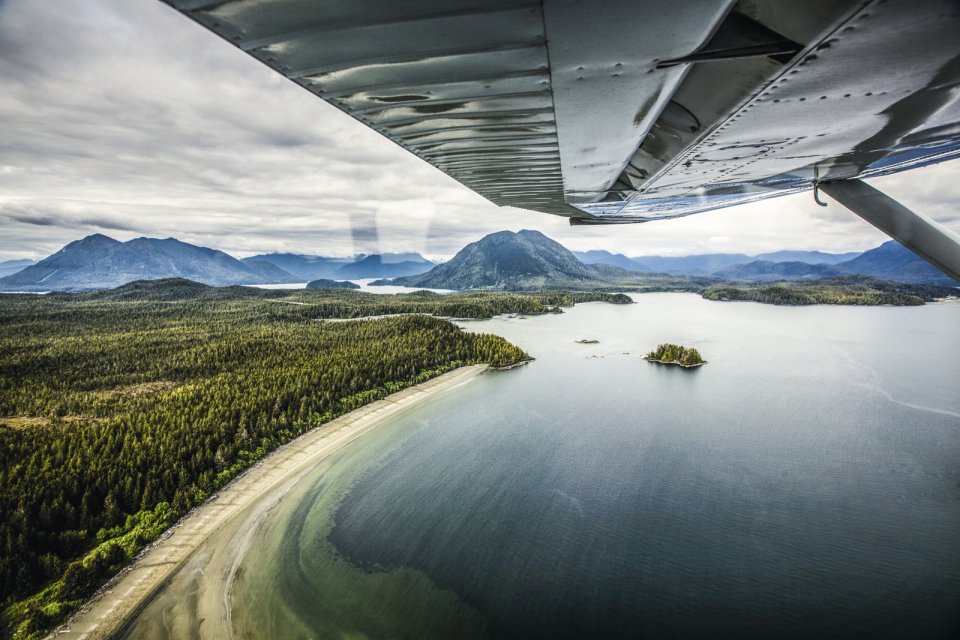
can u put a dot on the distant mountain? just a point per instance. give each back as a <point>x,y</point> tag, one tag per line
<point>508,261</point>
<point>761,270</point>
<point>890,261</point>
<point>810,257</point>
<point>270,272</point>
<point>599,256</point>
<point>893,261</point>
<point>323,283</point>
<point>10,267</point>
<point>409,256</point>
<point>302,267</point>
<point>100,262</point>
<point>705,264</point>
<point>386,265</point>
<point>696,265</point>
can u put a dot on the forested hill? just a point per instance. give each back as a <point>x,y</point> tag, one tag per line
<point>847,290</point>
<point>340,303</point>
<point>325,283</point>
<point>120,410</point>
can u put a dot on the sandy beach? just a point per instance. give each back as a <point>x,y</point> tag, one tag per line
<point>204,548</point>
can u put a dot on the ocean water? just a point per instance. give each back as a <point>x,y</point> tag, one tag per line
<point>805,483</point>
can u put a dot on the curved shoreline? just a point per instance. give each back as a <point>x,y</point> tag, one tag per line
<point>245,500</point>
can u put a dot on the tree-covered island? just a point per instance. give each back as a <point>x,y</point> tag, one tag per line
<point>676,354</point>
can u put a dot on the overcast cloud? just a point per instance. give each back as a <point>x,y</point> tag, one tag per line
<point>125,118</point>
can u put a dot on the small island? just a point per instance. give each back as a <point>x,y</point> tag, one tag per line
<point>323,283</point>
<point>587,341</point>
<point>667,353</point>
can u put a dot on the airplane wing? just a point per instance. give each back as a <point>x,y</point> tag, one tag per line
<point>626,110</point>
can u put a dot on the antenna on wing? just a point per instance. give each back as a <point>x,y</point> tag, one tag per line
<point>816,187</point>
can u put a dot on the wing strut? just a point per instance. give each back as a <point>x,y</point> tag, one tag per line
<point>931,241</point>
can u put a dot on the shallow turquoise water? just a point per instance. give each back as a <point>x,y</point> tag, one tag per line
<point>804,483</point>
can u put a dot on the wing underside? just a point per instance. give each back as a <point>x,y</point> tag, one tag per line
<point>625,111</point>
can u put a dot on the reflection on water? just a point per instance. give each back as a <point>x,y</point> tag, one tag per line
<point>803,484</point>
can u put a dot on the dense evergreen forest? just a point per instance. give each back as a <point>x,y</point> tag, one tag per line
<point>121,410</point>
<point>850,290</point>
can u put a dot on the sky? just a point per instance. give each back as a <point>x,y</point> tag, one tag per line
<point>125,118</point>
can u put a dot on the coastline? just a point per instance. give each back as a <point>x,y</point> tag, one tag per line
<point>678,364</point>
<point>513,365</point>
<point>244,501</point>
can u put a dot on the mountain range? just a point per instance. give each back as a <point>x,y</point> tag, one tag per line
<point>530,260</point>
<point>301,267</point>
<point>386,265</point>
<point>503,260</point>
<point>601,256</point>
<point>706,264</point>
<point>382,265</point>
<point>765,270</point>
<point>101,262</point>
<point>889,261</point>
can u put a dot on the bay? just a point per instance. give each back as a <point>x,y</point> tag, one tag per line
<point>806,482</point>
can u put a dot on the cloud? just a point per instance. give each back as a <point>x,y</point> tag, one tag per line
<point>72,216</point>
<point>124,117</point>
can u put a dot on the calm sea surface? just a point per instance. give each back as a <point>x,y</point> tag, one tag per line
<point>805,483</point>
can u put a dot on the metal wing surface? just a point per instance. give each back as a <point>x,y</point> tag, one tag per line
<point>624,111</point>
